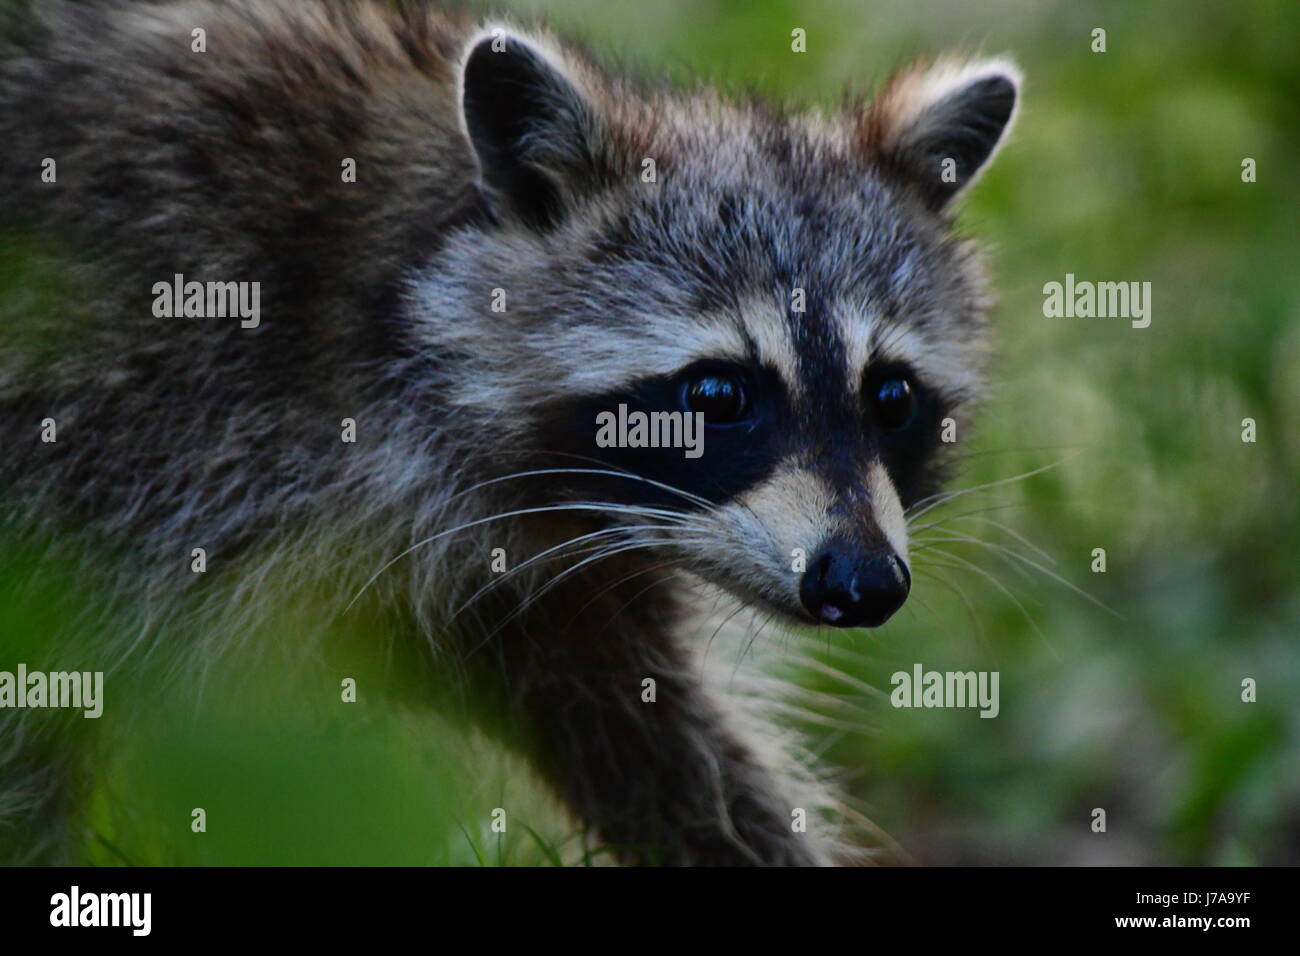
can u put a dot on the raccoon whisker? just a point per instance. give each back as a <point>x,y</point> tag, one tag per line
<point>528,601</point>
<point>935,566</point>
<point>604,466</point>
<point>805,702</point>
<point>694,499</point>
<point>1012,553</point>
<point>974,511</point>
<point>751,639</point>
<point>844,650</point>
<point>814,717</point>
<point>596,550</point>
<point>937,500</point>
<point>1005,529</point>
<point>545,509</point>
<point>1020,570</point>
<point>1007,554</point>
<point>740,606</point>
<point>767,622</point>
<point>1015,451</point>
<point>932,572</point>
<point>948,535</point>
<point>911,609</point>
<point>831,702</point>
<point>842,676</point>
<point>517,569</point>
<point>963,565</point>
<point>946,496</point>
<point>932,549</point>
<point>607,588</point>
<point>531,599</point>
<point>628,603</point>
<point>943,497</point>
<point>719,607</point>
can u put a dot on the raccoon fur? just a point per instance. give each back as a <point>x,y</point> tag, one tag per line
<point>528,241</point>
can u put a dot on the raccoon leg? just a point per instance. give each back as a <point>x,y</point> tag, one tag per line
<point>660,781</point>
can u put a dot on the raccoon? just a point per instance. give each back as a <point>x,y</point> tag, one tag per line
<point>469,242</point>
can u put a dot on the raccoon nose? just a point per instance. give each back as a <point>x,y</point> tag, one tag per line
<point>844,587</point>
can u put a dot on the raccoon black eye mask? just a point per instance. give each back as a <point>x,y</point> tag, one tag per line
<point>461,267</point>
<point>749,422</point>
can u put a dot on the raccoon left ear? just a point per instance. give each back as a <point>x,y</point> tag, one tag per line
<point>938,126</point>
<point>534,134</point>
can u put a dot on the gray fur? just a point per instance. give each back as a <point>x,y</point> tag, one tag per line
<point>376,295</point>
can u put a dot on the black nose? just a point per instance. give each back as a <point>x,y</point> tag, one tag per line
<point>846,587</point>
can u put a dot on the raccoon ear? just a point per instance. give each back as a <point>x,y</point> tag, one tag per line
<point>938,126</point>
<point>533,133</point>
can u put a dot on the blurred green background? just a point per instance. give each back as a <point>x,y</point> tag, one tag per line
<point>1125,165</point>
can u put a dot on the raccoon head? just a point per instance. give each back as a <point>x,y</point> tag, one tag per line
<point>791,282</point>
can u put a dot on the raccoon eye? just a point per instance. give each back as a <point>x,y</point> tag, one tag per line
<point>893,402</point>
<point>720,397</point>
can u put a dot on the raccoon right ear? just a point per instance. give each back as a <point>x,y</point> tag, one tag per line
<point>534,134</point>
<point>937,126</point>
